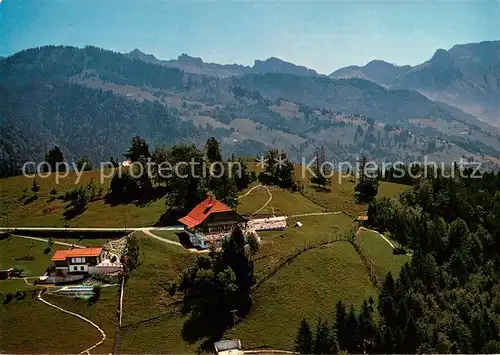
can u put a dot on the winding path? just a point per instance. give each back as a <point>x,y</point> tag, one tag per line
<point>249,191</point>
<point>82,318</point>
<point>267,202</point>
<point>371,230</point>
<point>313,214</point>
<point>148,232</point>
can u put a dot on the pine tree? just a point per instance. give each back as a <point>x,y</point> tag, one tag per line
<point>138,148</point>
<point>319,168</point>
<point>304,339</point>
<point>321,339</point>
<point>366,328</point>
<point>340,323</point>
<point>367,187</point>
<point>54,157</point>
<point>212,150</point>
<point>387,341</point>
<point>351,331</point>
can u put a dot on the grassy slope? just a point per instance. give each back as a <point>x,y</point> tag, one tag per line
<point>91,243</point>
<point>381,253</point>
<point>102,313</point>
<point>170,235</point>
<point>278,244</point>
<point>14,247</point>
<point>310,284</point>
<point>18,211</point>
<point>29,326</point>
<point>307,287</point>
<point>146,296</point>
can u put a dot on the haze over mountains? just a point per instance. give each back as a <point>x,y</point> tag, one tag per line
<point>196,65</point>
<point>466,76</point>
<point>90,101</point>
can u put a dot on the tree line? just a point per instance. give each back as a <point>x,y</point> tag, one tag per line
<point>447,299</point>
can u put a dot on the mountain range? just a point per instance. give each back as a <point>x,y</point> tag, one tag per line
<point>91,101</point>
<point>466,76</point>
<point>195,65</point>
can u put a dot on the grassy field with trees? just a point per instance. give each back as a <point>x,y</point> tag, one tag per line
<point>274,286</point>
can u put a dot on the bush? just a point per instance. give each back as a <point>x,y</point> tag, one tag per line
<point>399,251</point>
<point>96,294</point>
<point>25,258</point>
<point>5,235</point>
<point>53,192</point>
<point>253,243</point>
<point>8,297</point>
<point>20,295</point>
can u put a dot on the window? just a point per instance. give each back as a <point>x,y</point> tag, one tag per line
<point>75,268</point>
<point>82,268</point>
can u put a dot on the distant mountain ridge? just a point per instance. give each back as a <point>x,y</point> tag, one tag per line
<point>77,98</point>
<point>466,76</point>
<point>378,71</point>
<point>196,65</point>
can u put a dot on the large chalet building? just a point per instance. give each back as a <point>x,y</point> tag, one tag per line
<point>210,221</point>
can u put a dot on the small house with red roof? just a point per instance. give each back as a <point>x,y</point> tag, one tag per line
<point>78,260</point>
<point>210,221</point>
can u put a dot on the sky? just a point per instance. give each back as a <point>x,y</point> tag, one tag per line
<point>322,35</point>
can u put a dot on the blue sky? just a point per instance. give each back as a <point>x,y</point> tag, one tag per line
<point>322,35</point>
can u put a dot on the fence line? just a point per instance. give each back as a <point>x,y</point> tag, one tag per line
<point>283,261</point>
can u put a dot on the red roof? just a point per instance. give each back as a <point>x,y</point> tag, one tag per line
<point>202,211</point>
<point>61,255</point>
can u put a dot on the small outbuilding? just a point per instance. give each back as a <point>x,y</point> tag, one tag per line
<point>228,347</point>
<point>6,274</point>
<point>298,224</point>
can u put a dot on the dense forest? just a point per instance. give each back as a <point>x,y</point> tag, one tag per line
<point>447,299</point>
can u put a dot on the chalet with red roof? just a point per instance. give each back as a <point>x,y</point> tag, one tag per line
<point>85,261</point>
<point>210,221</point>
<point>77,260</point>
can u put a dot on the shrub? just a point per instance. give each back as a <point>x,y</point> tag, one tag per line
<point>253,243</point>
<point>399,251</point>
<point>96,294</point>
<point>8,297</point>
<point>25,258</point>
<point>20,295</point>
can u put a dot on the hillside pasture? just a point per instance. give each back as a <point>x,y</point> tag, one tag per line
<point>381,254</point>
<point>304,288</point>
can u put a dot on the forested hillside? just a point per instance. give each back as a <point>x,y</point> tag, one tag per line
<point>447,299</point>
<point>90,101</point>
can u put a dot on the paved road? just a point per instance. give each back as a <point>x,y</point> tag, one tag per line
<point>89,229</point>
